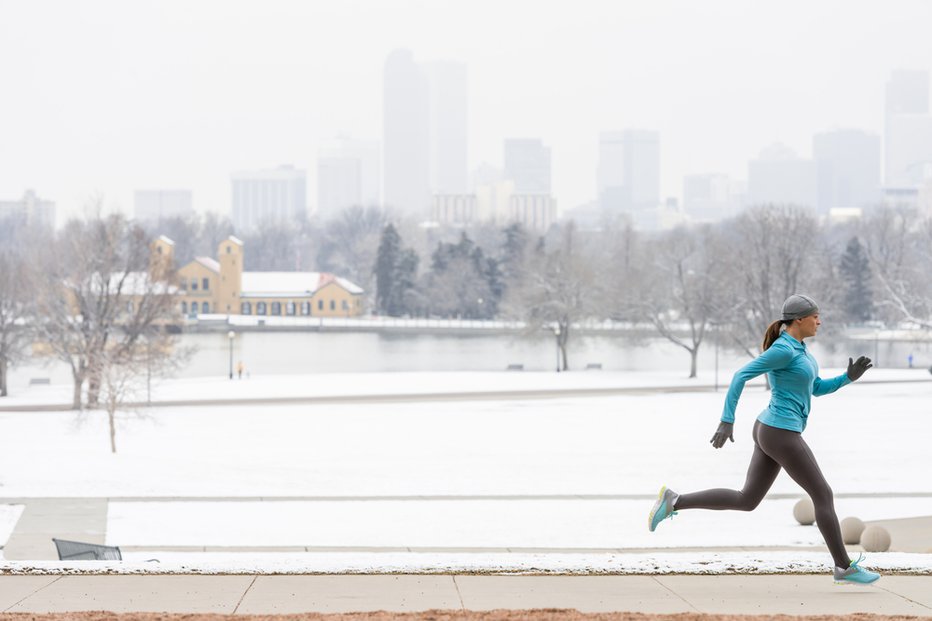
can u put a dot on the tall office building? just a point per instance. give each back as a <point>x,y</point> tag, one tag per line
<point>848,168</point>
<point>779,176</point>
<point>628,173</point>
<point>157,205</point>
<point>527,164</point>
<point>425,132</point>
<point>448,97</point>
<point>262,197</point>
<point>28,211</point>
<point>406,135</point>
<point>348,174</point>
<point>711,197</point>
<point>907,130</point>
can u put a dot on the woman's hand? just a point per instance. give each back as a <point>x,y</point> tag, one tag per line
<point>725,431</point>
<point>856,368</point>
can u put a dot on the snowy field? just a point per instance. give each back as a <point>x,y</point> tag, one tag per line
<point>869,438</point>
<point>551,524</point>
<point>365,384</point>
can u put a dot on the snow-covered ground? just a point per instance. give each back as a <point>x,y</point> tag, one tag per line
<point>364,384</point>
<point>796,562</point>
<point>869,438</point>
<point>9,514</point>
<point>473,524</point>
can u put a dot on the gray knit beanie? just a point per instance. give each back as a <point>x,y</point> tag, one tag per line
<point>798,306</point>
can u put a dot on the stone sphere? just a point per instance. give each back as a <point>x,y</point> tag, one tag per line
<point>804,512</point>
<point>875,539</point>
<point>851,529</point>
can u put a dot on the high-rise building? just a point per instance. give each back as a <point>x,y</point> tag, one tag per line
<point>533,211</point>
<point>406,135</point>
<point>448,97</point>
<point>158,205</point>
<point>348,174</point>
<point>907,130</point>
<point>779,176</point>
<point>847,168</point>
<point>628,173</point>
<point>455,209</point>
<point>527,164</point>
<point>261,197</point>
<point>907,92</point>
<point>29,211</point>
<point>711,197</point>
<point>425,132</point>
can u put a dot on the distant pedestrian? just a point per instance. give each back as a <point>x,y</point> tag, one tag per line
<point>909,360</point>
<point>240,367</point>
<point>777,433</point>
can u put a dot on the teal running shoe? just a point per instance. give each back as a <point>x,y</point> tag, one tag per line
<point>855,574</point>
<point>663,508</point>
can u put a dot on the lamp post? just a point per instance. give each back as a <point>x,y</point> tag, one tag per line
<point>556,334</point>
<point>231,335</point>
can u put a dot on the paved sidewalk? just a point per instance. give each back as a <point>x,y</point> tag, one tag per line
<point>247,594</point>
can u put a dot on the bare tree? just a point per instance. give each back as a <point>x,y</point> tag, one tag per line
<point>899,247</point>
<point>350,244</point>
<point>558,288</point>
<point>15,313</point>
<point>126,369</point>
<point>772,252</point>
<point>682,286</point>
<point>100,295</point>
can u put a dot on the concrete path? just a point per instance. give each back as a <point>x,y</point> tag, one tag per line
<point>893,595</point>
<point>77,519</point>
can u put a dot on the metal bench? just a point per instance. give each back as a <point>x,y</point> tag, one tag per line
<point>515,367</point>
<point>78,551</point>
<point>40,381</point>
<point>594,366</point>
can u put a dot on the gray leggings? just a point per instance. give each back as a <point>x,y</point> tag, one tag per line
<point>774,449</point>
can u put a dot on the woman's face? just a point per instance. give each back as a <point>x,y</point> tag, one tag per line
<point>808,326</point>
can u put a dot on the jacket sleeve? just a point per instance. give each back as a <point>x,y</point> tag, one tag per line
<point>828,386</point>
<point>776,357</point>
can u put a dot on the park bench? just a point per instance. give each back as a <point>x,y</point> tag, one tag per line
<point>78,551</point>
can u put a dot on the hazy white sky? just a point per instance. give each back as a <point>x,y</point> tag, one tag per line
<point>113,95</point>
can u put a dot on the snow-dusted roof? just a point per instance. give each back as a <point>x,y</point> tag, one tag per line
<point>166,240</point>
<point>290,284</point>
<point>209,263</point>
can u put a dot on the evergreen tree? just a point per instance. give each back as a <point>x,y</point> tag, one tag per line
<point>855,272</point>
<point>386,272</point>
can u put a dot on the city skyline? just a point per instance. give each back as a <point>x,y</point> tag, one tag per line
<point>69,134</point>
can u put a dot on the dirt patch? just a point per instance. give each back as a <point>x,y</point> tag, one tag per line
<point>444,615</point>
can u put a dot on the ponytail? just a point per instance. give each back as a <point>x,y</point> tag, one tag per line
<point>773,333</point>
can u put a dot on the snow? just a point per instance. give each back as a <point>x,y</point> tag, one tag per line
<point>473,524</point>
<point>867,437</point>
<point>475,563</point>
<point>322,471</point>
<point>9,514</point>
<point>423,383</point>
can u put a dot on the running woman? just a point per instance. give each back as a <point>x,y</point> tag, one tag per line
<point>778,441</point>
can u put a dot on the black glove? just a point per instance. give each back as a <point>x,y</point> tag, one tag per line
<point>725,431</point>
<point>857,367</point>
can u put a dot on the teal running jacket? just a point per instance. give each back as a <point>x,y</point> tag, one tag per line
<point>794,378</point>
